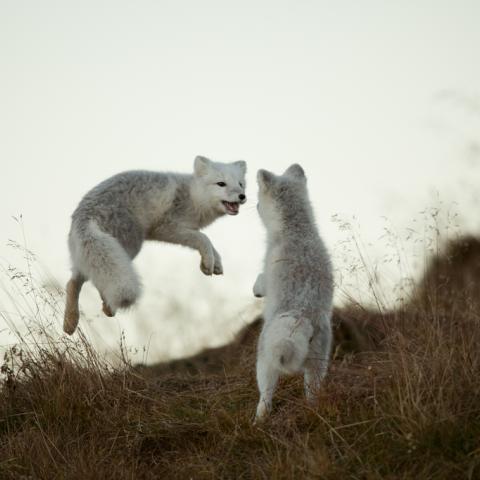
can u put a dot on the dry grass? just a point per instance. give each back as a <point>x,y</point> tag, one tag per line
<point>407,408</point>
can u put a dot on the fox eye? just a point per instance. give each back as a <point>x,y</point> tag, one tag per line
<point>241,184</point>
<point>221,184</point>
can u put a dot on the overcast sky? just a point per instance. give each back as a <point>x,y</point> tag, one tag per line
<point>379,101</point>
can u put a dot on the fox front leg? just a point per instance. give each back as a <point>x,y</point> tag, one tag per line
<point>259,287</point>
<point>211,262</point>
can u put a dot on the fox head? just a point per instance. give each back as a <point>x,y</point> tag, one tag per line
<point>221,185</point>
<point>282,198</point>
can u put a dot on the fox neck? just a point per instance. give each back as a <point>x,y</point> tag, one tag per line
<point>288,223</point>
<point>205,212</point>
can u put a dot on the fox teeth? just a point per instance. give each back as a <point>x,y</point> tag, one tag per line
<point>231,206</point>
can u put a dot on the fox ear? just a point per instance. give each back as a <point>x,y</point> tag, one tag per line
<point>201,165</point>
<point>241,165</point>
<point>265,178</point>
<point>295,171</point>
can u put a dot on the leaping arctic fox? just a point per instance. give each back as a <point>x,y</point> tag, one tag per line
<point>114,218</point>
<point>297,284</point>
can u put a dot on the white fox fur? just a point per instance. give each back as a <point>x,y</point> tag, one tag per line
<point>112,221</point>
<point>297,284</point>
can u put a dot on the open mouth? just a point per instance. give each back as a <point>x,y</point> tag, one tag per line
<point>231,207</point>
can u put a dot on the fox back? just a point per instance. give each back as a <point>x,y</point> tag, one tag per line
<point>148,198</point>
<point>298,270</point>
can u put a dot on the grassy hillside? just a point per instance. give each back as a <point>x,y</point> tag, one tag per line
<point>402,401</point>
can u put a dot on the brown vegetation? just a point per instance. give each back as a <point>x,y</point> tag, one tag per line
<point>402,401</point>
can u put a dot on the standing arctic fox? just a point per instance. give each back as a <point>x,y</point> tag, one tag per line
<point>114,218</point>
<point>297,284</point>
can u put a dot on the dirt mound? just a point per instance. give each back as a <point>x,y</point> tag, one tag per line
<point>451,281</point>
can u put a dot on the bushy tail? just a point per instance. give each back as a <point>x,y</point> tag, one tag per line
<point>100,257</point>
<point>289,342</point>
<point>289,358</point>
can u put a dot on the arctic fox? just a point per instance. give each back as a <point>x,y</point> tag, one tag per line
<point>297,284</point>
<point>114,218</point>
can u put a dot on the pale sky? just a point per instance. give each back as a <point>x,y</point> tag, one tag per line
<point>378,101</point>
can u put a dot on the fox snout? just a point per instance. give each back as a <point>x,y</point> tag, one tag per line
<point>242,198</point>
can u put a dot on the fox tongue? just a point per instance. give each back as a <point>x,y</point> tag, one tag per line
<point>232,207</point>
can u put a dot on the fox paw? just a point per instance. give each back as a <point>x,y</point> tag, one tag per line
<point>212,264</point>
<point>217,266</point>
<point>70,321</point>
<point>259,287</point>
<point>107,310</point>
<point>207,266</point>
<point>262,413</point>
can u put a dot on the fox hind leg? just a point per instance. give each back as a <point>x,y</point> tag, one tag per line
<point>267,378</point>
<point>316,365</point>
<point>72,313</point>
